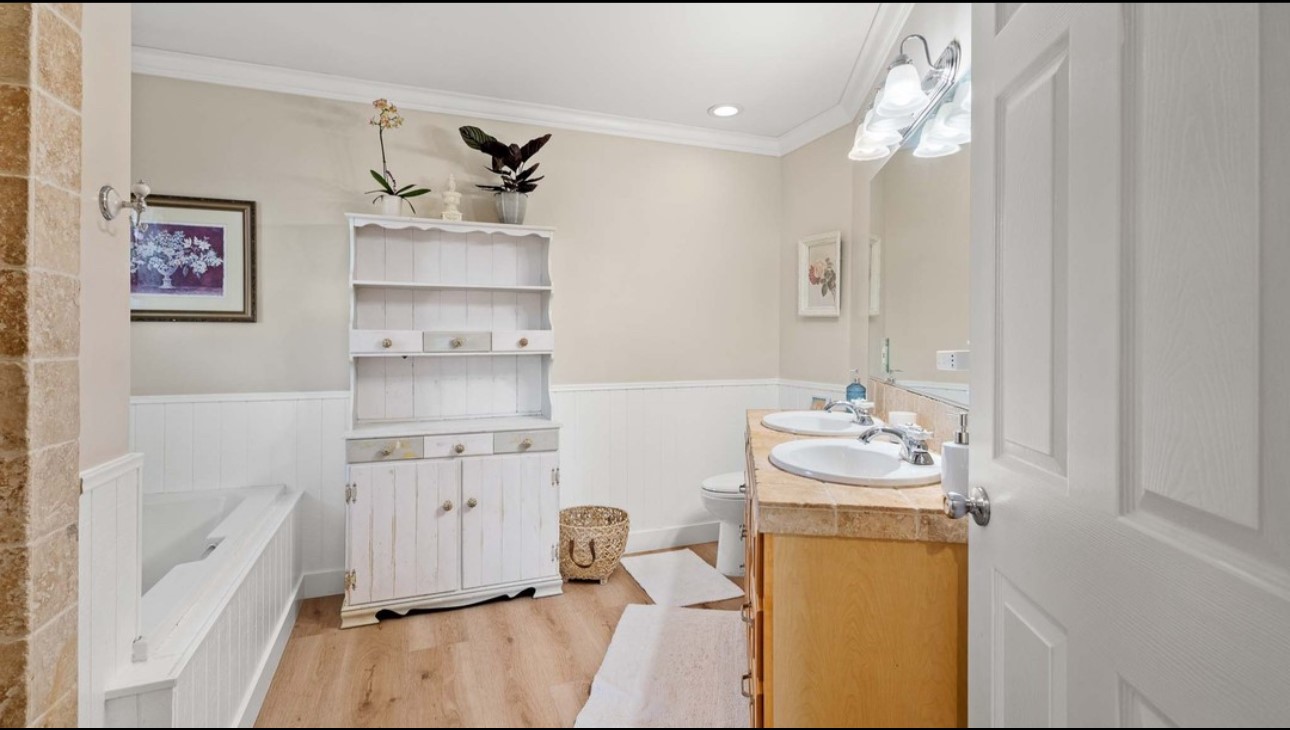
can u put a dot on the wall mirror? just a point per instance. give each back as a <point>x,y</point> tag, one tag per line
<point>918,236</point>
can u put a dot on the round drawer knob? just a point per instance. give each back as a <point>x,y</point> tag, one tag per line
<point>455,342</point>
<point>459,448</point>
<point>472,502</point>
<point>387,343</point>
<point>447,505</point>
<point>526,443</point>
<point>384,453</point>
<point>524,342</point>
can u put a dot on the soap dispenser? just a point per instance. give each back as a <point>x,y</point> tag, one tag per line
<point>954,460</point>
<point>855,390</point>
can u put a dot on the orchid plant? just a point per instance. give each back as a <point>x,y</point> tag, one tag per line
<point>388,117</point>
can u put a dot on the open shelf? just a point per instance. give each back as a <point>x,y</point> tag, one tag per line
<point>438,426</point>
<point>449,287</point>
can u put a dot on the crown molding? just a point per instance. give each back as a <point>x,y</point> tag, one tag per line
<point>888,23</point>
<point>190,67</point>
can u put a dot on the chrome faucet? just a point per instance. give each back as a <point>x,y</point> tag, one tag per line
<point>913,442</point>
<point>862,416</point>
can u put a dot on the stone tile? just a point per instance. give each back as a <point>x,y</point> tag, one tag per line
<point>55,143</point>
<point>13,593</point>
<point>805,495</point>
<point>13,313</point>
<point>868,498</point>
<point>53,491</point>
<point>54,407</point>
<point>53,574</point>
<point>56,231</point>
<point>71,12</point>
<point>15,42</point>
<point>52,664</point>
<point>14,394</point>
<point>13,211</point>
<point>877,525</point>
<point>62,714</point>
<point>15,129</point>
<point>58,58</point>
<point>55,315</point>
<point>939,528</point>
<point>797,521</point>
<point>15,472</point>
<point>13,685</point>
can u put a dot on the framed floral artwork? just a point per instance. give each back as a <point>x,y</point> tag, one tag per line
<point>193,261</point>
<point>819,275</point>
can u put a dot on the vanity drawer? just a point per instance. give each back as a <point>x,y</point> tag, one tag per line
<point>384,341</point>
<point>521,340</point>
<point>519,442</point>
<point>457,341</point>
<point>470,444</point>
<point>361,450</point>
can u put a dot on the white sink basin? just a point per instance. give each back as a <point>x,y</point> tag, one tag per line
<point>815,423</point>
<point>851,461</point>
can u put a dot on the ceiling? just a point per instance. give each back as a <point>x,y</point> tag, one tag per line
<point>627,66</point>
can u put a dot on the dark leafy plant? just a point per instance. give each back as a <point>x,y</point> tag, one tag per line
<point>510,161</point>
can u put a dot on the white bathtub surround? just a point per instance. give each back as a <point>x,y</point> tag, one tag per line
<point>214,628</point>
<point>671,667</point>
<point>109,578</point>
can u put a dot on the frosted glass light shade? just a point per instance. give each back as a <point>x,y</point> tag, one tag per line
<point>880,123</point>
<point>903,93</point>
<point>879,136</point>
<point>867,153</point>
<point>941,131</point>
<point>961,116</point>
<point>929,147</point>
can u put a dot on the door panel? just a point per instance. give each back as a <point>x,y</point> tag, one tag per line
<point>358,523</point>
<point>1128,266</point>
<point>438,534</point>
<point>549,513</point>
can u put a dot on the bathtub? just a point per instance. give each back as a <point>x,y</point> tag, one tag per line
<point>220,571</point>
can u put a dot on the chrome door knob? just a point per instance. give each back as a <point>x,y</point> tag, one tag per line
<point>978,505</point>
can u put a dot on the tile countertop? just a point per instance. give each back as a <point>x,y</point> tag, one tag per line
<point>791,505</point>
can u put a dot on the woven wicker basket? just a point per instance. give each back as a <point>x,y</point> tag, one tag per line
<point>592,539</point>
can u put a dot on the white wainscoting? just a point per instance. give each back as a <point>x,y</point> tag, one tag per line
<point>640,446</point>
<point>110,578</point>
<point>230,441</point>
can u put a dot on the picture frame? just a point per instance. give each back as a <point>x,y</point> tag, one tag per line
<point>819,275</point>
<point>194,261</point>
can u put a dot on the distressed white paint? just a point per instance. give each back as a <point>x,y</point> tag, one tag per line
<point>110,578</point>
<point>1135,568</point>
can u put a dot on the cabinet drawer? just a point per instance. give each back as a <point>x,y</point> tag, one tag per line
<point>519,442</point>
<point>384,341</point>
<point>457,341</point>
<point>470,444</point>
<point>521,340</point>
<point>361,450</point>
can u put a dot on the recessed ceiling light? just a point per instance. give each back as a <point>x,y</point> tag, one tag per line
<point>724,110</point>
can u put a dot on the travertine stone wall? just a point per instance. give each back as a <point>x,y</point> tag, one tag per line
<point>40,171</point>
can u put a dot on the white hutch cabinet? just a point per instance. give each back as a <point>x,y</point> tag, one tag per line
<point>454,477</point>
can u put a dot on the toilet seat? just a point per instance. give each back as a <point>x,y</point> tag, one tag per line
<point>728,485</point>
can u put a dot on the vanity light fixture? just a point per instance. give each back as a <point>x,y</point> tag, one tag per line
<point>724,110</point>
<point>940,129</point>
<point>111,204</point>
<point>905,105</point>
<point>960,116</point>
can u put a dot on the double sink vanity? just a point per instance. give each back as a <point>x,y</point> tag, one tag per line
<point>857,581</point>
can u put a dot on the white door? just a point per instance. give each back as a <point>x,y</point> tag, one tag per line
<point>1131,328</point>
<point>510,521</point>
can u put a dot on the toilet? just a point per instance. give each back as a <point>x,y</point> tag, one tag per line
<point>723,496</point>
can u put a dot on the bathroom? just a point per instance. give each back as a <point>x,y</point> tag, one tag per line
<point>630,365</point>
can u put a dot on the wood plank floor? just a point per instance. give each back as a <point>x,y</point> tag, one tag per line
<point>516,663</point>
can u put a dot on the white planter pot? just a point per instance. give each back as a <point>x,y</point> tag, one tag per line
<point>511,207</point>
<point>391,205</point>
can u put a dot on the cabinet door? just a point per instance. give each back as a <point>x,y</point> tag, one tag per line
<point>403,530</point>
<point>510,518</point>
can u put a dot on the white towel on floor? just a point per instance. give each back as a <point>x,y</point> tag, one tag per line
<point>680,578</point>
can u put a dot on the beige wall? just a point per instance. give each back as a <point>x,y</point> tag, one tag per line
<point>921,210</point>
<point>822,191</point>
<point>105,247</point>
<point>663,262</point>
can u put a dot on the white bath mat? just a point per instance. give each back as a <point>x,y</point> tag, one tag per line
<point>671,667</point>
<point>680,578</point>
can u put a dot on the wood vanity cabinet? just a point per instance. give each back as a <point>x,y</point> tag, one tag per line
<point>851,632</point>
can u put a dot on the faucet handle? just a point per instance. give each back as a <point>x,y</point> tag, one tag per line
<point>914,432</point>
